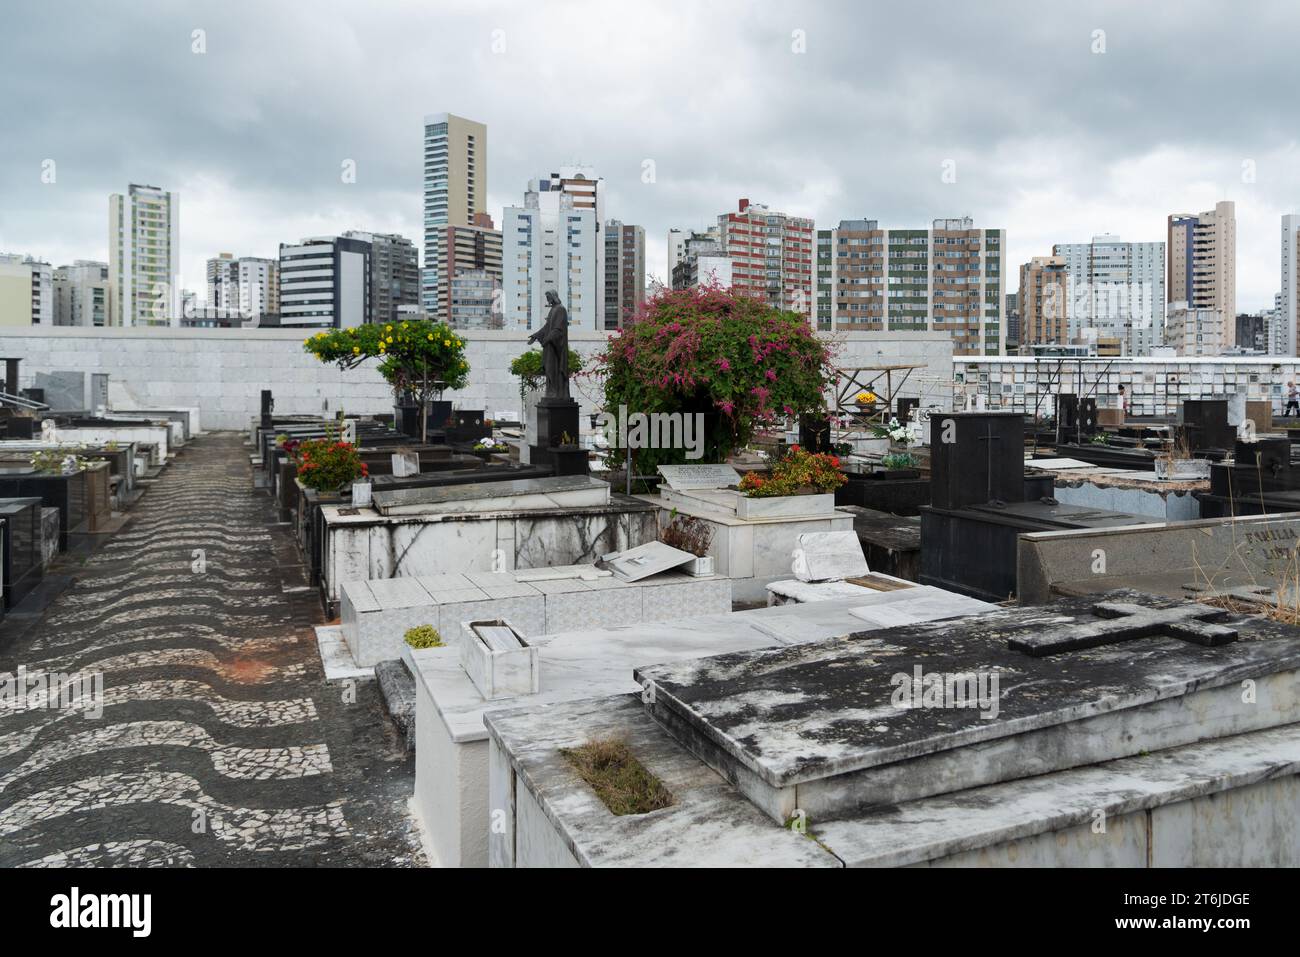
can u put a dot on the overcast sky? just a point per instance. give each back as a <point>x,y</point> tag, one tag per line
<point>1052,141</point>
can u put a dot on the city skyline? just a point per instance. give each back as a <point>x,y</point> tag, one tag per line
<point>740,111</point>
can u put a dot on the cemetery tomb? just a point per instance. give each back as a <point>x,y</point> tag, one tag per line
<point>21,544</point>
<point>968,536</point>
<point>451,790</point>
<point>67,493</point>
<point>1248,559</point>
<point>376,614</point>
<point>753,538</point>
<point>898,747</point>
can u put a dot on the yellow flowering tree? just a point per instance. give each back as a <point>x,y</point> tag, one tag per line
<point>416,357</point>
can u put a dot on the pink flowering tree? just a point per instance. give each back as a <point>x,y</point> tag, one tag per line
<point>735,359</point>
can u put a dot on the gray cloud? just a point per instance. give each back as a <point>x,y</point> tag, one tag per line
<point>1052,142</point>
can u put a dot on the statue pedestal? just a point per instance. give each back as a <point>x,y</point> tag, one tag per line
<point>555,419</point>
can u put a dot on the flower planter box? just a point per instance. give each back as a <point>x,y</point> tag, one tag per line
<point>783,506</point>
<point>701,567</point>
<point>1182,470</point>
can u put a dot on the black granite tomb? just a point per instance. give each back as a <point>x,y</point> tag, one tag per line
<point>21,547</point>
<point>980,507</point>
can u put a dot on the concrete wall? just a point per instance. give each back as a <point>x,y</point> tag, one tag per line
<point>222,371</point>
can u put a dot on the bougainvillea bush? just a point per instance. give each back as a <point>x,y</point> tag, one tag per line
<point>797,472</point>
<point>327,465</point>
<point>709,350</point>
<point>417,357</point>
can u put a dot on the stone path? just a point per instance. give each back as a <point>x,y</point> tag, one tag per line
<point>220,742</point>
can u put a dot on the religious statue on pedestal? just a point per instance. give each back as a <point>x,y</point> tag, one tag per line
<point>554,339</point>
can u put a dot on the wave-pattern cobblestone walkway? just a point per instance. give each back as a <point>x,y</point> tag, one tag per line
<point>220,742</point>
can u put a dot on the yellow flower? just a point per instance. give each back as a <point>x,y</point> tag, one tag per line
<point>388,328</point>
<point>356,349</point>
<point>430,337</point>
<point>446,342</point>
<point>390,338</point>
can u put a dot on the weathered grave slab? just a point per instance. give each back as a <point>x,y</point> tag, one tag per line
<point>829,556</point>
<point>820,726</point>
<point>652,558</point>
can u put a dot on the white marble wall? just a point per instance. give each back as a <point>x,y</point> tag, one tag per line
<point>221,372</point>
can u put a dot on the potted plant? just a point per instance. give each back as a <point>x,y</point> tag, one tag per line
<point>899,465</point>
<point>326,465</point>
<point>867,401</point>
<point>486,448</point>
<point>693,535</point>
<point>417,357</point>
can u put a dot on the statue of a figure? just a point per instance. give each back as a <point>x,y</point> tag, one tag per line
<point>554,337</point>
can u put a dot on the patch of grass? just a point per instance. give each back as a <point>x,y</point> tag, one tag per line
<point>423,636</point>
<point>617,777</point>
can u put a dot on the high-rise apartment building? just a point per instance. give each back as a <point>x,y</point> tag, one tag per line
<point>259,288</point>
<point>1117,292</point>
<point>552,243</point>
<point>394,274</point>
<point>624,272</point>
<point>474,300</point>
<point>771,255</point>
<point>223,281</point>
<point>325,282</point>
<point>1202,261</point>
<point>1044,301</point>
<point>247,286</point>
<point>948,278</point>
<point>1196,332</point>
<point>26,291</point>
<point>81,294</point>
<point>469,249</point>
<point>455,187</point>
<point>144,256</point>
<point>1288,303</point>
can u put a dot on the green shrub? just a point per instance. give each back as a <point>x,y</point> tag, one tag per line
<point>423,636</point>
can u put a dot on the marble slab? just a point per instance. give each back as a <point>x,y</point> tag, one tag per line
<point>829,556</point>
<point>799,592</point>
<point>909,606</point>
<point>820,724</point>
<point>645,560</point>
<point>335,657</point>
<point>699,476</point>
<point>573,491</point>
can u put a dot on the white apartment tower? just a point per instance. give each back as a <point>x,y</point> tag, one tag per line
<point>144,256</point>
<point>553,242</point>
<point>1116,291</point>
<point>455,187</point>
<point>1287,314</point>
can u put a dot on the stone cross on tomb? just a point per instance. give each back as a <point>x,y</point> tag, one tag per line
<point>990,438</point>
<point>1122,621</point>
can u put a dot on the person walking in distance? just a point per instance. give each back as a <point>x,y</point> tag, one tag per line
<point>1292,398</point>
<point>1123,400</point>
